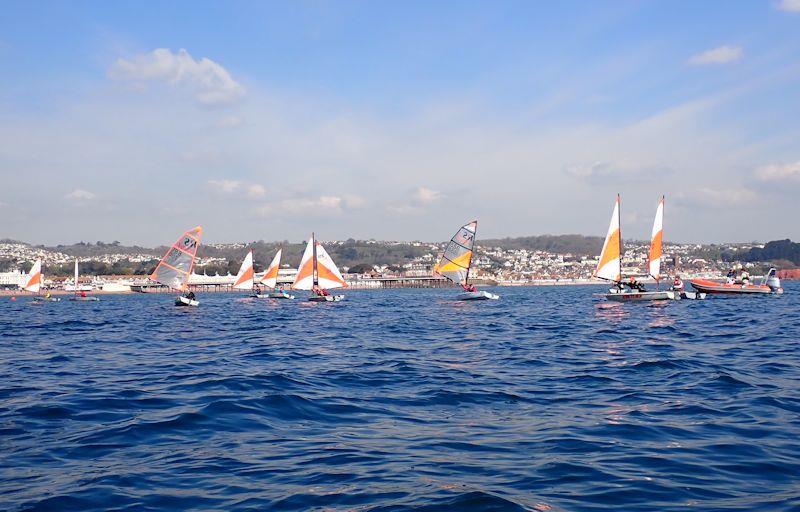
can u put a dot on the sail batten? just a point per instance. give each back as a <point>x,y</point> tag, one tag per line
<point>656,242</point>
<point>456,259</point>
<point>176,266</point>
<point>609,265</point>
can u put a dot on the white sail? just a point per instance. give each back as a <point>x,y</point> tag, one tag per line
<point>177,264</point>
<point>245,277</point>
<point>76,276</point>
<point>271,275</point>
<point>609,265</point>
<point>304,280</point>
<point>328,274</point>
<point>33,283</point>
<point>656,240</point>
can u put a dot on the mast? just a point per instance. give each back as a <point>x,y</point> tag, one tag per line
<point>474,239</point>
<point>76,277</point>
<point>619,223</point>
<point>314,272</point>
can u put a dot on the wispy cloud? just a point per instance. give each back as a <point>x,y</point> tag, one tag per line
<point>719,55</point>
<point>714,198</point>
<point>426,195</point>
<point>789,5</point>
<point>80,195</point>
<point>789,172</point>
<point>208,81</point>
<point>256,191</point>
<point>615,174</point>
<point>225,186</point>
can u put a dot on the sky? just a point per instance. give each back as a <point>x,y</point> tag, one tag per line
<point>134,121</point>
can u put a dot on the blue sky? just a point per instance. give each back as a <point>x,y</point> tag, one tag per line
<point>401,120</point>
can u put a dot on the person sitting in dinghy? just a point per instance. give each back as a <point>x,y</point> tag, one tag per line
<point>677,284</point>
<point>189,295</point>
<point>470,288</point>
<point>635,285</point>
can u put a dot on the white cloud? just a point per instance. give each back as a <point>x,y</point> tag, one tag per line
<point>80,195</point>
<point>789,5</point>
<point>210,83</point>
<point>226,186</point>
<point>305,205</point>
<point>615,174</point>
<point>779,172</point>
<point>256,191</point>
<point>719,55</point>
<point>718,198</point>
<point>425,195</point>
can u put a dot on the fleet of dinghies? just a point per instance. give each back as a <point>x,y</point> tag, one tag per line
<point>319,274</point>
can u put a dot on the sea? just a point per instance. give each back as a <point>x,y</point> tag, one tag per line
<point>550,399</point>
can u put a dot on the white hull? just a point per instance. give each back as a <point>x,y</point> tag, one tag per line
<point>326,298</point>
<point>183,301</point>
<point>46,299</point>
<point>693,295</point>
<point>273,295</point>
<point>641,296</point>
<point>477,296</point>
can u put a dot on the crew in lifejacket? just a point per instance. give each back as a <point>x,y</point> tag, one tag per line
<point>469,288</point>
<point>189,295</point>
<point>745,277</point>
<point>731,276</point>
<point>677,284</point>
<point>83,294</point>
<point>633,284</point>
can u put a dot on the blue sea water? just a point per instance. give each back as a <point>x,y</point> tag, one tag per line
<point>549,399</point>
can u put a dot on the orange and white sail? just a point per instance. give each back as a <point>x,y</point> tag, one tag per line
<point>654,258</point>
<point>34,281</point>
<point>177,264</point>
<point>246,275</point>
<point>317,268</point>
<point>457,256</point>
<point>270,277</point>
<point>609,265</point>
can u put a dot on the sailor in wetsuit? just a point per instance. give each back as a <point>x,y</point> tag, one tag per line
<point>189,295</point>
<point>635,285</point>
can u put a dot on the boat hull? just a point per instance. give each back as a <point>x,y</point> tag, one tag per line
<point>480,295</point>
<point>704,285</point>
<point>84,299</point>
<point>326,298</point>
<point>642,296</point>
<point>47,299</point>
<point>693,295</point>
<point>273,295</point>
<point>183,301</point>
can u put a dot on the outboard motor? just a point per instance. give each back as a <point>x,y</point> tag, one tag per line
<point>773,282</point>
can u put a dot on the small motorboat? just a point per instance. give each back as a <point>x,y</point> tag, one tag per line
<point>770,284</point>
<point>479,295</point>
<point>182,300</point>
<point>326,298</point>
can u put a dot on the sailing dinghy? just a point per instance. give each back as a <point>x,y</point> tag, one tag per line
<point>609,267</point>
<point>270,280</point>
<point>317,272</point>
<point>176,266</point>
<point>34,282</point>
<point>456,262</point>
<point>80,296</point>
